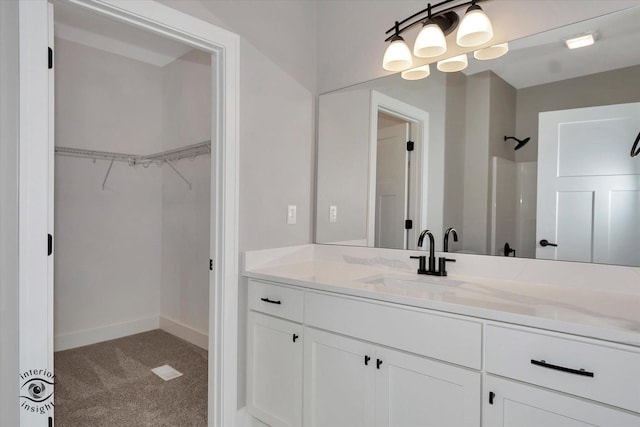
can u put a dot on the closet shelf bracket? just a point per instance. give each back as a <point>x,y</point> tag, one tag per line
<point>104,182</point>
<point>177,172</point>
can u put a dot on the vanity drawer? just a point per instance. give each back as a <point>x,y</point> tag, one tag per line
<point>587,368</point>
<point>418,331</point>
<point>276,300</point>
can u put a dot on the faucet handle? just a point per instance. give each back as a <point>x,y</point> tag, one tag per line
<point>422,263</point>
<point>442,265</point>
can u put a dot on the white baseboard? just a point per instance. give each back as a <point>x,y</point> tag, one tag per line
<point>185,332</point>
<point>105,333</point>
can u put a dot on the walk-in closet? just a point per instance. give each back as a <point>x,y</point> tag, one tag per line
<point>132,224</point>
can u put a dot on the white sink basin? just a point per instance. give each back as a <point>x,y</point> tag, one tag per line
<point>417,281</point>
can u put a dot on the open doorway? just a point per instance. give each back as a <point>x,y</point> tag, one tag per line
<point>398,171</point>
<point>132,218</point>
<point>36,346</point>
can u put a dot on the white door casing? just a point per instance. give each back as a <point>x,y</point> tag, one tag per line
<point>36,213</point>
<point>392,179</point>
<point>418,180</point>
<point>589,204</point>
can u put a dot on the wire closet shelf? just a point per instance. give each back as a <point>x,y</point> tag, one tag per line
<point>168,157</point>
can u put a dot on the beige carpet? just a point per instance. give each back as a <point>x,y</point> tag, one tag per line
<point>111,383</point>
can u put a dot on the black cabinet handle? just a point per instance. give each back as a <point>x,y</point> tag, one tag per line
<point>378,363</point>
<point>492,396</point>
<point>270,301</point>
<point>544,364</point>
<point>366,360</point>
<point>635,150</point>
<point>295,337</point>
<point>545,242</point>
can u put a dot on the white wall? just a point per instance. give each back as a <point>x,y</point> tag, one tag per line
<point>9,363</point>
<point>343,165</point>
<point>108,243</point>
<point>186,213</point>
<point>351,33</point>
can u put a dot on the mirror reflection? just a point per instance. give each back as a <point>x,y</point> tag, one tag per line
<point>528,155</point>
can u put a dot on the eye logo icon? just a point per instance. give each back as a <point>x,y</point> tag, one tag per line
<point>36,392</point>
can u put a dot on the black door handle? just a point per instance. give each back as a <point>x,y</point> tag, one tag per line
<point>492,396</point>
<point>366,360</point>
<point>378,363</point>
<point>635,150</point>
<point>270,301</point>
<point>295,337</point>
<point>545,242</point>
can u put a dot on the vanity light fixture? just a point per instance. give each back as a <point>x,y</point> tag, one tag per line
<point>582,40</point>
<point>397,57</point>
<point>417,73</point>
<point>451,65</point>
<point>491,52</point>
<point>438,21</point>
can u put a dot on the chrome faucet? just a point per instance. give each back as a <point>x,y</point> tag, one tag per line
<point>431,270</point>
<point>446,237</point>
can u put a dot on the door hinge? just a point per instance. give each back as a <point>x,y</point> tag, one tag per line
<point>211,265</point>
<point>49,244</point>
<point>408,224</point>
<point>410,145</point>
<point>50,58</point>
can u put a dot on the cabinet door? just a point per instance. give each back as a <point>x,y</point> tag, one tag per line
<point>339,381</point>
<point>274,370</point>
<point>519,405</point>
<point>414,391</point>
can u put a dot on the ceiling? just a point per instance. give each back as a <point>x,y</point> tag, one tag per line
<point>75,24</point>
<point>544,58</point>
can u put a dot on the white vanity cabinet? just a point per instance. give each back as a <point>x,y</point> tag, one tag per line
<point>275,351</point>
<point>555,364</point>
<point>355,383</point>
<point>513,404</point>
<point>366,379</point>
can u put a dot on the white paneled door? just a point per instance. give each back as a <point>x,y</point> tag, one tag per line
<point>392,177</point>
<point>589,185</point>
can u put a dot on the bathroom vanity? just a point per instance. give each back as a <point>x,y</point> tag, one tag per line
<point>344,336</point>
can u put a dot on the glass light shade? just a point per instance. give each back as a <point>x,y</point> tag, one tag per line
<point>451,65</point>
<point>491,52</point>
<point>417,73</point>
<point>397,57</point>
<point>475,28</point>
<point>430,42</point>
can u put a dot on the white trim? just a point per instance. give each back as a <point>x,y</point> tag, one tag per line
<point>419,124</point>
<point>105,333</point>
<point>34,328</point>
<point>223,319</point>
<point>187,333</point>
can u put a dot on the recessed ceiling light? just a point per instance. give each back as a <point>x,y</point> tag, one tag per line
<point>580,41</point>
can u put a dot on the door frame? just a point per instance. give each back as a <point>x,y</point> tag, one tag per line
<point>419,132</point>
<point>35,291</point>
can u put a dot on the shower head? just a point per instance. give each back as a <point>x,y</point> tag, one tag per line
<point>520,144</point>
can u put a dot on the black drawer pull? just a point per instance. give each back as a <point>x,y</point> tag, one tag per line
<point>366,360</point>
<point>544,364</point>
<point>634,151</point>
<point>492,396</point>
<point>270,301</point>
<point>378,363</point>
<point>295,337</point>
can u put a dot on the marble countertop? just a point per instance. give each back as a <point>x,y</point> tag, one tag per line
<point>589,312</point>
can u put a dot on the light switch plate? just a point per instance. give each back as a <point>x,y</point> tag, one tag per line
<point>333,213</point>
<point>291,214</point>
